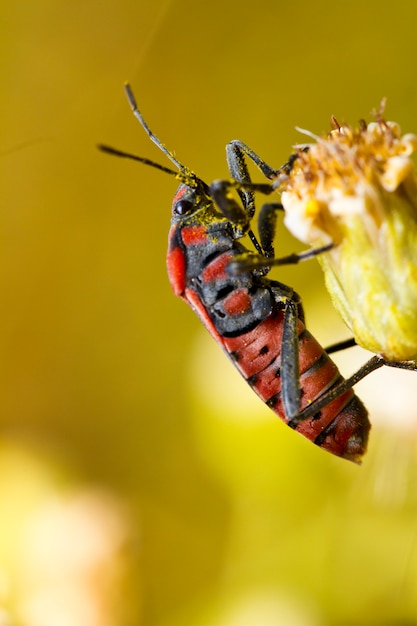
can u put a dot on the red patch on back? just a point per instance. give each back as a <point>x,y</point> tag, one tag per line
<point>216,270</point>
<point>237,302</point>
<point>194,235</point>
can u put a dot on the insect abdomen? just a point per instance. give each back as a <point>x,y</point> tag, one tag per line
<point>245,315</point>
<point>342,426</point>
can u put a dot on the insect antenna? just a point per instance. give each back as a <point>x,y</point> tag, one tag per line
<point>128,155</point>
<point>132,101</point>
<point>184,174</point>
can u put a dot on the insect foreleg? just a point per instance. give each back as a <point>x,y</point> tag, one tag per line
<point>220,191</point>
<point>239,215</point>
<point>239,171</point>
<point>236,151</point>
<point>267,221</point>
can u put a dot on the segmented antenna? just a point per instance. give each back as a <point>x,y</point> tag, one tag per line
<point>132,101</point>
<point>184,174</point>
<point>133,157</point>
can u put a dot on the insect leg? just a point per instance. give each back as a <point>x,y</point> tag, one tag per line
<point>267,221</point>
<point>220,191</point>
<point>370,366</point>
<point>255,262</point>
<point>349,343</point>
<point>290,362</point>
<point>290,301</point>
<point>239,215</point>
<point>239,171</point>
<point>236,154</point>
<point>403,365</point>
<point>341,345</point>
<point>236,151</point>
<point>312,409</point>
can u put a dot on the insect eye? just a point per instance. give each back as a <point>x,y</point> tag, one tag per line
<point>183,206</point>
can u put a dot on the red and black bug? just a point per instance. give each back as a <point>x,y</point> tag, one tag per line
<point>257,321</point>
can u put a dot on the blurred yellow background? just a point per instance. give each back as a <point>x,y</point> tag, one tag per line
<point>141,482</point>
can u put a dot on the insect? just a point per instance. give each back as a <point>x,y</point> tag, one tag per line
<point>257,321</point>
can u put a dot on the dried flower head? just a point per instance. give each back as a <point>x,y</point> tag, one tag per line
<point>357,188</point>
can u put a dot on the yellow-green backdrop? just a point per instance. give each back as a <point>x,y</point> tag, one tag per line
<point>140,482</point>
